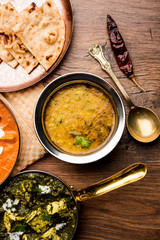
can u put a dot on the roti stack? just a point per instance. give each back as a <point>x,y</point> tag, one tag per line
<point>12,43</point>
<point>43,33</point>
<point>35,35</point>
<point>5,55</point>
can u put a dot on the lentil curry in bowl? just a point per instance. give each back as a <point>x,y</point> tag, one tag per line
<point>79,118</point>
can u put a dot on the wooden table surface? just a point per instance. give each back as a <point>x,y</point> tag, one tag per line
<point>131,212</point>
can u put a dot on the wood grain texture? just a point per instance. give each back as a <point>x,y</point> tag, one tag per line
<point>132,212</point>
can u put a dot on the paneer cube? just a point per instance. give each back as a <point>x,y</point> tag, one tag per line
<point>36,221</point>
<point>56,207</point>
<point>50,234</point>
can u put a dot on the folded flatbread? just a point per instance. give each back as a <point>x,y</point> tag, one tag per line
<point>7,13</point>
<point>5,55</point>
<point>23,15</point>
<point>43,33</point>
<point>12,43</point>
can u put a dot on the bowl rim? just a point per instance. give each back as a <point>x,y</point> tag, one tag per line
<point>19,140</point>
<point>104,151</point>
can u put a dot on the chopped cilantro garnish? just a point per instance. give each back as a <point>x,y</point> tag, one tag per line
<point>20,228</point>
<point>83,141</point>
<point>46,217</point>
<point>37,190</point>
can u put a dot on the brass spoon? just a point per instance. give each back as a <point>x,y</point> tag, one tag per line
<point>143,124</point>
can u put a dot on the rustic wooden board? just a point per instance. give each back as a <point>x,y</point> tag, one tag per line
<point>16,79</point>
<point>132,212</point>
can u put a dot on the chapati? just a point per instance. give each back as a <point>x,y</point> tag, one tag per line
<point>43,33</point>
<point>5,55</point>
<point>12,43</point>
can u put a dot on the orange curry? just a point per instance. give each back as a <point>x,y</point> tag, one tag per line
<point>9,141</point>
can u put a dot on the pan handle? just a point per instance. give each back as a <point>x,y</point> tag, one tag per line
<point>130,174</point>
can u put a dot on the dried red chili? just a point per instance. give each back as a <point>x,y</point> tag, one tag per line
<point>120,51</point>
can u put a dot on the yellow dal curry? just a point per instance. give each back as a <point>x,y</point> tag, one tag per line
<point>79,118</point>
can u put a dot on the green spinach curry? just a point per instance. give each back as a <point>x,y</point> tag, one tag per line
<point>37,206</point>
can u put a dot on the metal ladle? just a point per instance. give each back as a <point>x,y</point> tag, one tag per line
<point>143,124</point>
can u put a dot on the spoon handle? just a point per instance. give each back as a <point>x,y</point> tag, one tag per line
<point>130,174</point>
<point>97,52</point>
